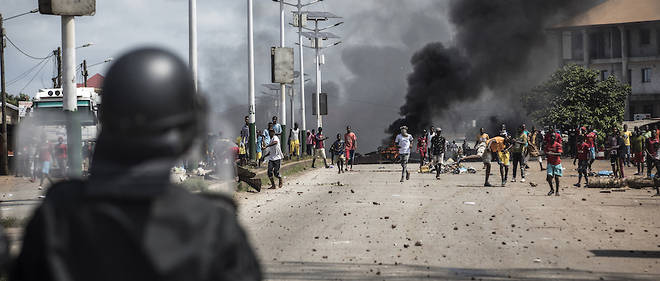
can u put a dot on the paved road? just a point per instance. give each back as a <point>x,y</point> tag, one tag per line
<point>365,225</point>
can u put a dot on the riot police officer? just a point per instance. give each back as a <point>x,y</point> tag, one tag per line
<point>127,221</point>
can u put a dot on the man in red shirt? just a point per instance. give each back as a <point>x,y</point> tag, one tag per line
<point>553,152</point>
<point>583,163</point>
<point>652,146</point>
<point>351,145</point>
<point>45,152</point>
<point>591,141</point>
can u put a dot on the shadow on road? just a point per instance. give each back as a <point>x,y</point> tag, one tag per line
<point>290,270</point>
<point>627,254</point>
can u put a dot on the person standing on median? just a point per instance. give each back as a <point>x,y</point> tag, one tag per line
<point>405,143</point>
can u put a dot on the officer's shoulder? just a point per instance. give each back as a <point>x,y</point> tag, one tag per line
<point>65,190</point>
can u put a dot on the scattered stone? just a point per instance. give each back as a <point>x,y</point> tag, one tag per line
<point>418,243</point>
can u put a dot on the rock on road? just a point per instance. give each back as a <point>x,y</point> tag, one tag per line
<point>365,225</point>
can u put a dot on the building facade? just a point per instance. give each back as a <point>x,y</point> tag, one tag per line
<point>620,38</point>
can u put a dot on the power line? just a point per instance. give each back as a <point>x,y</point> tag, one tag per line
<point>19,15</point>
<point>26,54</point>
<point>35,75</point>
<point>26,73</point>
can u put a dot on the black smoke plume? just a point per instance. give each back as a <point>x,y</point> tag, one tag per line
<point>493,43</point>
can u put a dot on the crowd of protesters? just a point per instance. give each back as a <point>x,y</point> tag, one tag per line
<point>35,159</point>
<point>269,149</point>
<point>639,147</point>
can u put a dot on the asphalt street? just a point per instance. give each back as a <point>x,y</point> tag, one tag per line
<point>365,225</point>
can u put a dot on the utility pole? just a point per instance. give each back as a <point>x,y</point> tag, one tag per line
<point>316,36</point>
<point>84,72</point>
<point>251,109</point>
<point>293,115</point>
<point>57,80</point>
<point>4,158</point>
<point>70,100</point>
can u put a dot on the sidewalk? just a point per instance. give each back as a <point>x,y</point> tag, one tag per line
<point>18,197</point>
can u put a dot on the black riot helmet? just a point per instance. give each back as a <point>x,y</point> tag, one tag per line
<point>149,108</point>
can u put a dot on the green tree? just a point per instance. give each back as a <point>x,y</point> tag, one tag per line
<point>575,96</point>
<point>11,99</point>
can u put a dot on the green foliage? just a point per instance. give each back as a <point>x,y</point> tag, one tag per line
<point>11,99</point>
<point>575,96</point>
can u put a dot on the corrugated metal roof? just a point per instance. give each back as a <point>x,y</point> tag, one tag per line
<point>640,123</point>
<point>617,12</point>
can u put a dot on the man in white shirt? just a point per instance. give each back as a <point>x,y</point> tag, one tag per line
<point>429,137</point>
<point>274,156</point>
<point>404,141</point>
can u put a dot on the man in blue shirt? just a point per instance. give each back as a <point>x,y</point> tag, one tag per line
<point>277,127</point>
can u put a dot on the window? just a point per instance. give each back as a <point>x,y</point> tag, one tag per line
<point>648,109</point>
<point>629,77</point>
<point>644,36</point>
<point>603,75</point>
<point>646,75</point>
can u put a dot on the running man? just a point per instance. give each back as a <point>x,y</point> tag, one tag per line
<point>583,160</point>
<point>518,154</point>
<point>275,157</point>
<point>350,139</point>
<point>421,149</point>
<point>338,148</point>
<point>499,146</point>
<point>405,142</point>
<point>553,152</point>
<point>438,151</point>
<point>429,137</point>
<point>481,145</point>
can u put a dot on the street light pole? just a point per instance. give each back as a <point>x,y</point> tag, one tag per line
<point>251,109</point>
<point>302,77</point>
<point>283,141</point>
<point>317,41</point>
<point>192,33</point>
<point>70,101</point>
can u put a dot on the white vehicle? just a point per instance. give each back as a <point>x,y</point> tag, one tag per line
<point>47,112</point>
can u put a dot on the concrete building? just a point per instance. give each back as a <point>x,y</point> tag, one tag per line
<point>621,38</point>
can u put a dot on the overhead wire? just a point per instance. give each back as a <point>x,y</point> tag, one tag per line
<point>26,73</point>
<point>30,82</point>
<point>23,52</point>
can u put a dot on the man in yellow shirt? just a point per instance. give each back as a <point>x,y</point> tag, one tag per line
<point>498,146</point>
<point>626,140</point>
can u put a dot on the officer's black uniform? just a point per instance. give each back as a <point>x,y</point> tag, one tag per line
<point>127,222</point>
